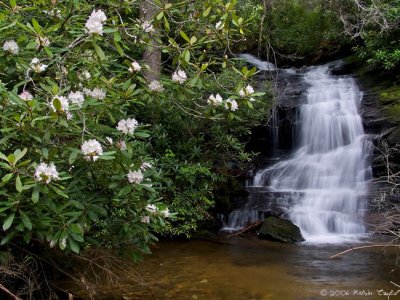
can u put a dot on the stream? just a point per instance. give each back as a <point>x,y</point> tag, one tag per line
<point>240,268</point>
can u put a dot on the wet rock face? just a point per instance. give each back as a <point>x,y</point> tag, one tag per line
<point>281,230</point>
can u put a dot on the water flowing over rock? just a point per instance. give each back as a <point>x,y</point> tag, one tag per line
<point>322,186</point>
<point>260,64</point>
<point>329,171</point>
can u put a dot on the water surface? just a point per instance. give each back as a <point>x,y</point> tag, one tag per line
<point>247,268</point>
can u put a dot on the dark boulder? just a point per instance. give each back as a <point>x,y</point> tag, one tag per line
<point>281,230</point>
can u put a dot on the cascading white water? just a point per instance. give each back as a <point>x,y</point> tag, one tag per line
<point>327,175</point>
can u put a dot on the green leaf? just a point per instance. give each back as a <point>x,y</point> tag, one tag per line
<point>186,55</point>
<point>25,219</point>
<point>8,221</point>
<point>3,157</point>
<point>13,3</point>
<point>207,12</point>
<point>166,25</point>
<point>57,104</point>
<point>35,195</point>
<point>184,36</point>
<point>193,40</point>
<point>59,192</point>
<point>117,37</point>
<point>18,184</point>
<point>160,15</point>
<point>74,246</point>
<point>7,177</point>
<point>99,52</point>
<point>141,134</point>
<point>72,157</point>
<point>36,26</point>
<point>8,237</point>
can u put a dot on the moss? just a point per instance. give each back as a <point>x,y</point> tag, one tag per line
<point>390,95</point>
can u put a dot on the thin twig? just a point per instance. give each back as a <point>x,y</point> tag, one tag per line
<point>4,289</point>
<point>247,228</point>
<point>362,247</point>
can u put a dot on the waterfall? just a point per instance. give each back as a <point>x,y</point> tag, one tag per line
<point>328,173</point>
<point>260,64</point>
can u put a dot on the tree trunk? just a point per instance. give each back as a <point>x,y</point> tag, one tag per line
<point>152,54</point>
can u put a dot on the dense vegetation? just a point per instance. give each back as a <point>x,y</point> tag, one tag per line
<point>122,120</point>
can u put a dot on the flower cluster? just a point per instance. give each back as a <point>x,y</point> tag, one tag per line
<point>96,93</point>
<point>25,95</point>
<point>214,100</point>
<point>94,24</point>
<point>42,42</point>
<point>36,66</point>
<point>247,91</point>
<point>127,126</point>
<point>135,67</point>
<point>76,98</point>
<point>135,176</point>
<point>11,47</point>
<point>179,76</point>
<point>231,104</point>
<point>91,149</point>
<point>156,86</point>
<point>145,166</point>
<point>46,173</point>
<point>147,27</point>
<point>151,208</point>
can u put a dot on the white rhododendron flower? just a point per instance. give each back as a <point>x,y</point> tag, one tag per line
<point>121,145</point>
<point>151,208</point>
<point>91,149</point>
<point>145,166</point>
<point>179,76</point>
<point>94,24</point>
<point>145,219</point>
<point>127,126</point>
<point>135,67</point>
<point>97,93</point>
<point>42,42</point>
<point>36,66</point>
<point>214,100</point>
<point>11,47</point>
<point>86,74</point>
<point>147,27</point>
<point>109,140</point>
<point>156,86</point>
<point>25,95</point>
<point>46,173</point>
<point>76,98</point>
<point>248,90</point>
<point>231,104</point>
<point>135,176</point>
<point>165,213</point>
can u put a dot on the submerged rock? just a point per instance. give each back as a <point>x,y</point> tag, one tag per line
<point>281,230</point>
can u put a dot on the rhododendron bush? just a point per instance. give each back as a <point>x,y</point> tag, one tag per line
<point>94,151</point>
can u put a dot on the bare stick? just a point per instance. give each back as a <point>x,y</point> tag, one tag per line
<point>4,289</point>
<point>362,247</point>
<point>247,228</point>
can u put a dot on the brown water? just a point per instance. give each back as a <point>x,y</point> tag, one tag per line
<point>246,269</point>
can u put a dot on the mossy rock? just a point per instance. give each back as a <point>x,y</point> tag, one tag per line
<point>281,230</point>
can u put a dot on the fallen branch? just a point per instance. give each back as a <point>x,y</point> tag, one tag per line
<point>362,247</point>
<point>5,290</point>
<point>247,228</point>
